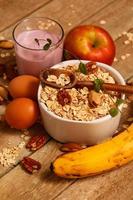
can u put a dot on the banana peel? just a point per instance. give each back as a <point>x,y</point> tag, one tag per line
<point>97,159</point>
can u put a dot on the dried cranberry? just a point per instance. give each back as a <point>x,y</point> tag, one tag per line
<point>63,97</point>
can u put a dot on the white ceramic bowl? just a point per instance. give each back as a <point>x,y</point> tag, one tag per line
<point>85,132</point>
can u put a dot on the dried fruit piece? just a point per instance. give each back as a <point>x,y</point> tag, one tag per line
<point>71,147</point>
<point>30,165</point>
<point>36,142</point>
<point>63,97</point>
<point>6,44</point>
<point>94,98</point>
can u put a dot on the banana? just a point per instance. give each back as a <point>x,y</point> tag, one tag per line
<point>96,159</point>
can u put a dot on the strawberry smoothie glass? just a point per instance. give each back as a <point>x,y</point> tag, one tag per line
<point>38,44</point>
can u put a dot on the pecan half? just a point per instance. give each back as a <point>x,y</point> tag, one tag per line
<point>91,67</point>
<point>30,165</point>
<point>6,44</point>
<point>63,97</point>
<point>71,147</point>
<point>36,142</point>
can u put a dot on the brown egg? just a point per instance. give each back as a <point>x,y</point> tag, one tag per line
<point>22,113</point>
<point>24,86</point>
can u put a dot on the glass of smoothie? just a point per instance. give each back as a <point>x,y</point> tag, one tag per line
<point>38,44</point>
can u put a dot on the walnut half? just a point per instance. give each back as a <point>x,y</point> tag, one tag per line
<point>94,98</point>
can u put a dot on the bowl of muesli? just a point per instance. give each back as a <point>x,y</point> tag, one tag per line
<point>80,114</point>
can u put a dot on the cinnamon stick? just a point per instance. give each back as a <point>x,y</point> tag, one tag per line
<point>107,86</point>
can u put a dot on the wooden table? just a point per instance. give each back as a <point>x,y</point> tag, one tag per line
<point>15,184</point>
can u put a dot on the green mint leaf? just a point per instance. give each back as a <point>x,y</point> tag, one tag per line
<point>98,84</point>
<point>113,112</point>
<point>82,68</point>
<point>119,102</point>
<point>46,46</point>
<point>37,41</point>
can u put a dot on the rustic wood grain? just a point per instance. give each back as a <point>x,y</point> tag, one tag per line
<point>11,10</point>
<point>118,17</point>
<point>125,67</point>
<point>113,185</point>
<point>68,13</point>
<point>45,185</point>
<point>11,137</point>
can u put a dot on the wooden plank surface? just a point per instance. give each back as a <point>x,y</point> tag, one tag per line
<point>11,10</point>
<point>113,185</point>
<point>118,17</point>
<point>11,137</point>
<point>45,185</point>
<point>68,13</point>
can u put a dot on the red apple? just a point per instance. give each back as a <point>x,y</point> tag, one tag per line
<point>90,42</point>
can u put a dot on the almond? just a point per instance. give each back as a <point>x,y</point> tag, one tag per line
<point>6,44</point>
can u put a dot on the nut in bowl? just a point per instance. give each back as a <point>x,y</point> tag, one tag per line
<point>79,114</point>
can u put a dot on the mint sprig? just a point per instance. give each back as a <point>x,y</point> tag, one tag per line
<point>47,45</point>
<point>82,68</point>
<point>98,84</point>
<point>113,111</point>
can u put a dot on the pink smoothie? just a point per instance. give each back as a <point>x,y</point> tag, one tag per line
<point>32,58</point>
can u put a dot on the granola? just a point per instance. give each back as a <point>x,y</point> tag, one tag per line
<point>85,105</point>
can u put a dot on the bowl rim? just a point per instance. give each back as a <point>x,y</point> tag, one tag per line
<point>72,62</point>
